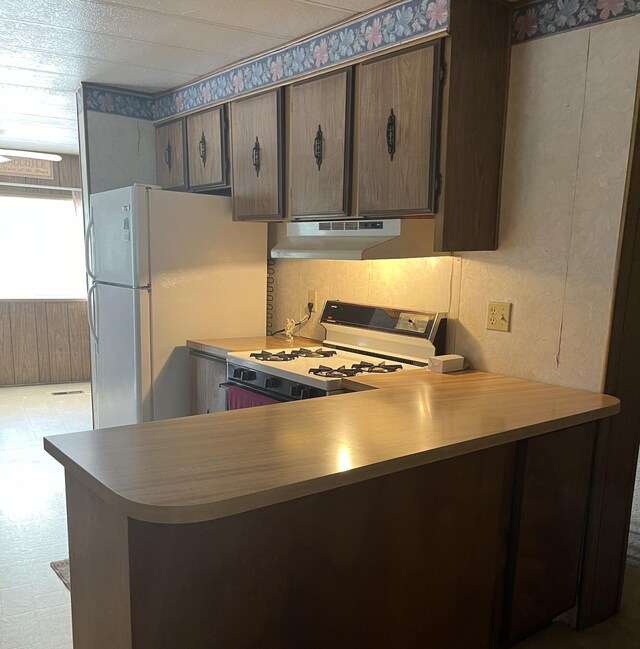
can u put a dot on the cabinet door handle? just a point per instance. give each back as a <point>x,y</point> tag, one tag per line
<point>317,147</point>
<point>255,156</point>
<point>202,149</point>
<point>167,155</point>
<point>391,134</point>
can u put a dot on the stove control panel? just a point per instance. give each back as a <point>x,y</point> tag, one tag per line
<point>271,386</point>
<point>410,323</point>
<point>396,325</point>
<point>246,376</point>
<point>417,322</point>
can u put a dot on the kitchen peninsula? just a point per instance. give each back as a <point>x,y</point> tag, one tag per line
<point>437,510</point>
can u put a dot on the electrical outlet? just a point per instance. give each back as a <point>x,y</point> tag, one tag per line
<point>312,298</point>
<point>499,316</point>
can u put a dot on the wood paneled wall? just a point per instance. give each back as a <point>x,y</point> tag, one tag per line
<point>66,173</point>
<point>43,342</point>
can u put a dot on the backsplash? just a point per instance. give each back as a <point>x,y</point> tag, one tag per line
<point>422,284</point>
<point>566,155</point>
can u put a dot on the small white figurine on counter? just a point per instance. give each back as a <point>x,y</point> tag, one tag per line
<point>288,329</point>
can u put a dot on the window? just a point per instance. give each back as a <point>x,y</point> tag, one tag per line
<point>41,249</point>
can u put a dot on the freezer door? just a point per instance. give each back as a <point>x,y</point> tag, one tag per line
<point>120,354</point>
<point>117,237</point>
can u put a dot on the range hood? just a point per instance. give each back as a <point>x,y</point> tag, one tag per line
<point>358,239</point>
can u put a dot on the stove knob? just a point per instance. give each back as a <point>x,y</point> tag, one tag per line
<point>300,392</point>
<point>237,373</point>
<point>271,382</point>
<point>247,375</point>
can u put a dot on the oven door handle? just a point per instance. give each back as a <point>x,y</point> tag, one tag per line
<point>225,386</point>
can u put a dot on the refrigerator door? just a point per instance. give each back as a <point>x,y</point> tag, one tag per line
<point>120,355</point>
<point>117,237</point>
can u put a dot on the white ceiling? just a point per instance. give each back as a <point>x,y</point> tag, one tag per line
<point>48,47</point>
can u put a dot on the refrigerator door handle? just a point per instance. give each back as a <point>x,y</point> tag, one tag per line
<point>89,248</point>
<point>92,312</point>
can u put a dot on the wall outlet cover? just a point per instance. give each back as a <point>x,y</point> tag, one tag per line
<point>499,316</point>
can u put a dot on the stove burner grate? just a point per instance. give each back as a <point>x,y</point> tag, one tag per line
<point>371,368</point>
<point>270,357</point>
<point>334,373</point>
<point>317,353</point>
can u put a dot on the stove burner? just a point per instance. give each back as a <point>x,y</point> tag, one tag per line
<point>273,358</point>
<point>332,373</point>
<point>380,368</point>
<point>318,353</point>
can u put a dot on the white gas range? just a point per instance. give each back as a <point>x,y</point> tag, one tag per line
<point>360,339</point>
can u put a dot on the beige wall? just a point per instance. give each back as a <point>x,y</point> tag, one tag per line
<point>571,105</point>
<point>570,115</point>
<point>121,151</point>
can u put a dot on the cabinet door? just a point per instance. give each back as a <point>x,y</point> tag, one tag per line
<point>397,139</point>
<point>549,527</point>
<point>320,146</point>
<point>256,133</point>
<point>207,373</point>
<point>206,149</point>
<point>170,155</point>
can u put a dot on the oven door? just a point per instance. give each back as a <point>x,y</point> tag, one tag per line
<point>239,398</point>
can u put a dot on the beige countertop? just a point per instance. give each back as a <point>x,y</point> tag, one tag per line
<point>221,346</point>
<point>210,466</point>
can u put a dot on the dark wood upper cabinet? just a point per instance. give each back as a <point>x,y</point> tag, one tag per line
<point>446,132</point>
<point>257,155</point>
<point>320,145</point>
<point>207,149</point>
<point>477,55</point>
<point>420,134</point>
<point>170,160</point>
<point>398,133</point>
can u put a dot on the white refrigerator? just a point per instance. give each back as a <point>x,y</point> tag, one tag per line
<point>164,267</point>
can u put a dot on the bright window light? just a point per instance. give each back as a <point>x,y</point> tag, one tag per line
<point>41,249</point>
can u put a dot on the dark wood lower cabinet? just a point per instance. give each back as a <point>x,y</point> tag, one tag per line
<point>471,552</point>
<point>206,373</point>
<point>406,560</point>
<point>550,507</point>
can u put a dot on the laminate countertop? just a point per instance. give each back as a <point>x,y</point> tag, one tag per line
<point>222,346</point>
<point>211,466</point>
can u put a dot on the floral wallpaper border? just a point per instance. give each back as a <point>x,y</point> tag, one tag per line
<point>547,17</point>
<point>384,28</point>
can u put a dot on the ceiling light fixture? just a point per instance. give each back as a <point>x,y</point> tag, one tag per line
<point>54,157</point>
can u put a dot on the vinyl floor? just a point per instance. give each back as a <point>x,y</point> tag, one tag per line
<point>35,607</point>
